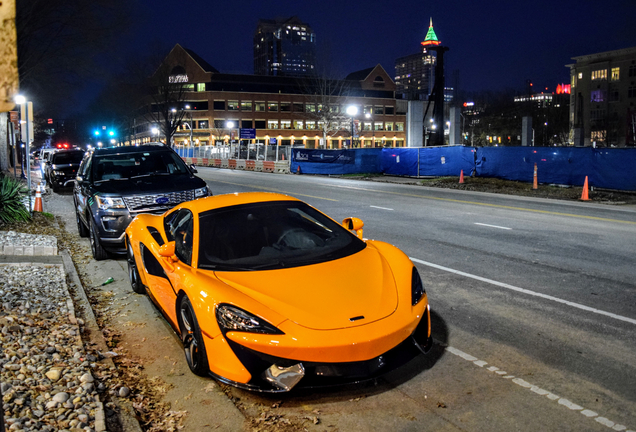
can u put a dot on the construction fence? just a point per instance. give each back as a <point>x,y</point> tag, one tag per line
<point>609,168</point>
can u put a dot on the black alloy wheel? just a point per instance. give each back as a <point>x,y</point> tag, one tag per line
<point>192,340</point>
<point>99,253</point>
<point>133,272</point>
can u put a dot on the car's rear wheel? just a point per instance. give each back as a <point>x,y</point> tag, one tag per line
<point>99,253</point>
<point>133,272</point>
<point>192,339</point>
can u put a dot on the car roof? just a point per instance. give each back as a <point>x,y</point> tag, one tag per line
<point>130,149</point>
<point>228,200</point>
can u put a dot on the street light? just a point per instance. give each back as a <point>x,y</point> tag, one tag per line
<point>368,116</point>
<point>190,125</point>
<point>352,110</point>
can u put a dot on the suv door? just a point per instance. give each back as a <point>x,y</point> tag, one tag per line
<point>81,194</point>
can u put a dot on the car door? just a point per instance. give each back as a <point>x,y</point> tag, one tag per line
<point>179,227</point>
<point>81,189</point>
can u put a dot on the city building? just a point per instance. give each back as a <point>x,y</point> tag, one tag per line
<point>218,109</point>
<point>603,99</point>
<point>284,48</point>
<point>415,73</point>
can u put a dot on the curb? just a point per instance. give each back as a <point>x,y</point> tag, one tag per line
<point>127,417</point>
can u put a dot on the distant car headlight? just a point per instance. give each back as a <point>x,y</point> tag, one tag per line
<point>106,203</point>
<point>231,318</point>
<point>417,287</point>
<point>58,173</point>
<point>202,192</point>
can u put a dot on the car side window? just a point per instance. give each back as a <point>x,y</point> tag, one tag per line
<point>84,168</point>
<point>181,229</point>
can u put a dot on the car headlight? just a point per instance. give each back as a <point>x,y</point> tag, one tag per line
<point>58,173</point>
<point>107,203</point>
<point>231,318</point>
<point>202,192</point>
<point>417,287</point>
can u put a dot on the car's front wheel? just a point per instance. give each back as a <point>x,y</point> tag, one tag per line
<point>99,253</point>
<point>192,339</point>
<point>133,272</point>
<point>81,228</point>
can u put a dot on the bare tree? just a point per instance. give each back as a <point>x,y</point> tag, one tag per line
<point>326,96</point>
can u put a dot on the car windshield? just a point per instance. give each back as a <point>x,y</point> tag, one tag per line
<point>271,235</point>
<point>67,158</point>
<point>132,165</point>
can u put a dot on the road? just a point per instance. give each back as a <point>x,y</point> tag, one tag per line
<point>533,305</point>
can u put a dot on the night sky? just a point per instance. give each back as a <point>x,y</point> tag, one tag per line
<point>494,44</point>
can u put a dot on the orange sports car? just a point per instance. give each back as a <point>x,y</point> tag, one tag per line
<point>268,293</point>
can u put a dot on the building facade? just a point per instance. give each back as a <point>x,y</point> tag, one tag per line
<point>603,99</point>
<point>218,109</point>
<point>284,48</point>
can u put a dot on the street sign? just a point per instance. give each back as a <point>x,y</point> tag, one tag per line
<point>247,133</point>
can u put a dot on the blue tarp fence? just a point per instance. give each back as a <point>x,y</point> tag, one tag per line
<point>605,168</point>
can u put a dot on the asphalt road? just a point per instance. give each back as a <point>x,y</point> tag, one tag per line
<point>533,310</point>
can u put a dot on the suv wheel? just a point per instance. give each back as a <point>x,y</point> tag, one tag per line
<point>99,253</point>
<point>81,228</point>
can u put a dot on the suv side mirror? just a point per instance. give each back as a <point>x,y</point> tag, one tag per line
<point>193,168</point>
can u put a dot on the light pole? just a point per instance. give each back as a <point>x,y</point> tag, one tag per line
<point>352,110</point>
<point>190,125</point>
<point>26,134</point>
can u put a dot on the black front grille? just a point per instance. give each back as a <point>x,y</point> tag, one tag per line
<point>149,202</point>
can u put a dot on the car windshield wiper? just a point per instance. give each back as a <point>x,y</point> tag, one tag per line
<point>150,175</point>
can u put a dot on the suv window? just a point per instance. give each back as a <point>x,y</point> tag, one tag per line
<point>63,158</point>
<point>130,165</point>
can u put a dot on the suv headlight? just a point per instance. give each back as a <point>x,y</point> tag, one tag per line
<point>231,318</point>
<point>202,192</point>
<point>58,173</point>
<point>106,203</point>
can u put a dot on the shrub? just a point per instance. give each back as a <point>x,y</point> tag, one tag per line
<point>12,208</point>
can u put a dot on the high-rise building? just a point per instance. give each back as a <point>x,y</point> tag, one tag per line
<point>415,73</point>
<point>284,48</point>
<point>603,99</point>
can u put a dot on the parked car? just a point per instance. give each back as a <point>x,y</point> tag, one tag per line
<point>268,293</point>
<point>61,167</point>
<point>45,155</point>
<point>113,185</point>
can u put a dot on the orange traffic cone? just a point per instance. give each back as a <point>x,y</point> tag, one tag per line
<point>298,170</point>
<point>535,184</point>
<point>38,200</point>
<point>585,195</point>
<point>461,176</point>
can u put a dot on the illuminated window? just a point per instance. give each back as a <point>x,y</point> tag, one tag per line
<point>246,106</point>
<point>573,81</point>
<point>200,87</point>
<point>285,124</point>
<point>298,124</point>
<point>616,74</point>
<point>598,96</point>
<point>232,105</point>
<point>366,126</point>
<point>378,126</point>
<point>580,75</point>
<point>399,127</point>
<point>259,106</point>
<point>388,126</point>
<point>272,106</point>
<point>310,108</point>
<point>310,124</point>
<point>599,74</point>
<point>272,124</point>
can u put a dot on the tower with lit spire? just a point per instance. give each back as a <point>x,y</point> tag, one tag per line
<point>415,73</point>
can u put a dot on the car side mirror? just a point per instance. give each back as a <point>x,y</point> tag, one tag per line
<point>354,224</point>
<point>167,251</point>
<point>193,168</point>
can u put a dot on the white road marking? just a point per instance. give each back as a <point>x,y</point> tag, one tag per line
<point>528,292</point>
<point>535,389</point>
<point>382,208</point>
<point>492,226</point>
